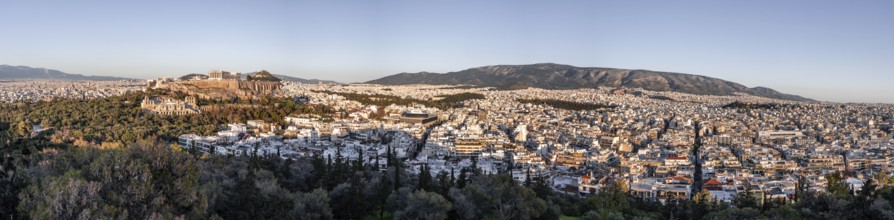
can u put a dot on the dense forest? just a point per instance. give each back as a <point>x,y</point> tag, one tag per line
<point>661,97</point>
<point>47,176</point>
<point>568,105</point>
<point>448,101</point>
<point>119,120</point>
<point>743,105</point>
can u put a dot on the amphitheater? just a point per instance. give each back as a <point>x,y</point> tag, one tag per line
<point>170,106</point>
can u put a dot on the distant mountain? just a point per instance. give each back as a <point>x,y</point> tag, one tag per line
<point>8,72</point>
<point>557,76</point>
<point>296,79</point>
<point>263,75</point>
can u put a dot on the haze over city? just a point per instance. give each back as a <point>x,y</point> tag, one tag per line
<point>826,50</point>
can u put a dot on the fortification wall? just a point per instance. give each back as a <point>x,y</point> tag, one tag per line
<point>221,84</point>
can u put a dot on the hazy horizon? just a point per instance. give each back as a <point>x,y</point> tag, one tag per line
<point>825,50</point>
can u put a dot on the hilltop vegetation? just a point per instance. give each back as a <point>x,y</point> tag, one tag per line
<point>449,101</point>
<point>567,105</point>
<point>120,120</point>
<point>263,75</point>
<point>743,105</point>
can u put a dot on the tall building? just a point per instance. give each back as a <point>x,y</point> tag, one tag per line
<point>521,133</point>
<point>467,147</point>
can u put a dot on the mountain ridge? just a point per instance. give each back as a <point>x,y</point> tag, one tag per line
<point>561,76</point>
<point>9,72</point>
<point>296,79</point>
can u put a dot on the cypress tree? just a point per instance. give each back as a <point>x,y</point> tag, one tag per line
<point>475,170</point>
<point>377,161</point>
<point>425,178</point>
<point>389,157</point>
<point>396,175</point>
<point>360,160</point>
<point>528,178</point>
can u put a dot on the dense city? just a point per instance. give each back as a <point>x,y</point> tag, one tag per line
<point>656,146</point>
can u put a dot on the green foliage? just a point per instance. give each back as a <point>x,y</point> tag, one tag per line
<point>312,205</point>
<point>120,119</point>
<point>496,197</point>
<point>142,181</point>
<point>567,105</point>
<point>18,151</point>
<point>735,213</point>
<point>450,101</point>
<point>745,199</point>
<point>835,184</point>
<point>610,199</point>
<point>419,204</point>
<point>263,75</point>
<point>742,105</point>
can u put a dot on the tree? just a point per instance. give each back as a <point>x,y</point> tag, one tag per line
<point>312,205</point>
<point>141,181</point>
<point>735,213</point>
<point>23,129</point>
<point>608,199</point>
<point>497,196</point>
<point>700,203</point>
<point>462,179</point>
<point>864,200</point>
<point>802,187</point>
<point>527,177</point>
<point>397,172</point>
<point>425,178</point>
<point>745,199</point>
<point>835,184</point>
<point>592,215</point>
<point>419,204</point>
<point>443,183</point>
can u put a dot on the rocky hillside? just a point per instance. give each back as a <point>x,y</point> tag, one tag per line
<point>557,76</point>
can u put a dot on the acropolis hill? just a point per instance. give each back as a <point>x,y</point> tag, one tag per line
<point>221,85</point>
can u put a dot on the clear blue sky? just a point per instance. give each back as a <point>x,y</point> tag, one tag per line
<point>827,50</point>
